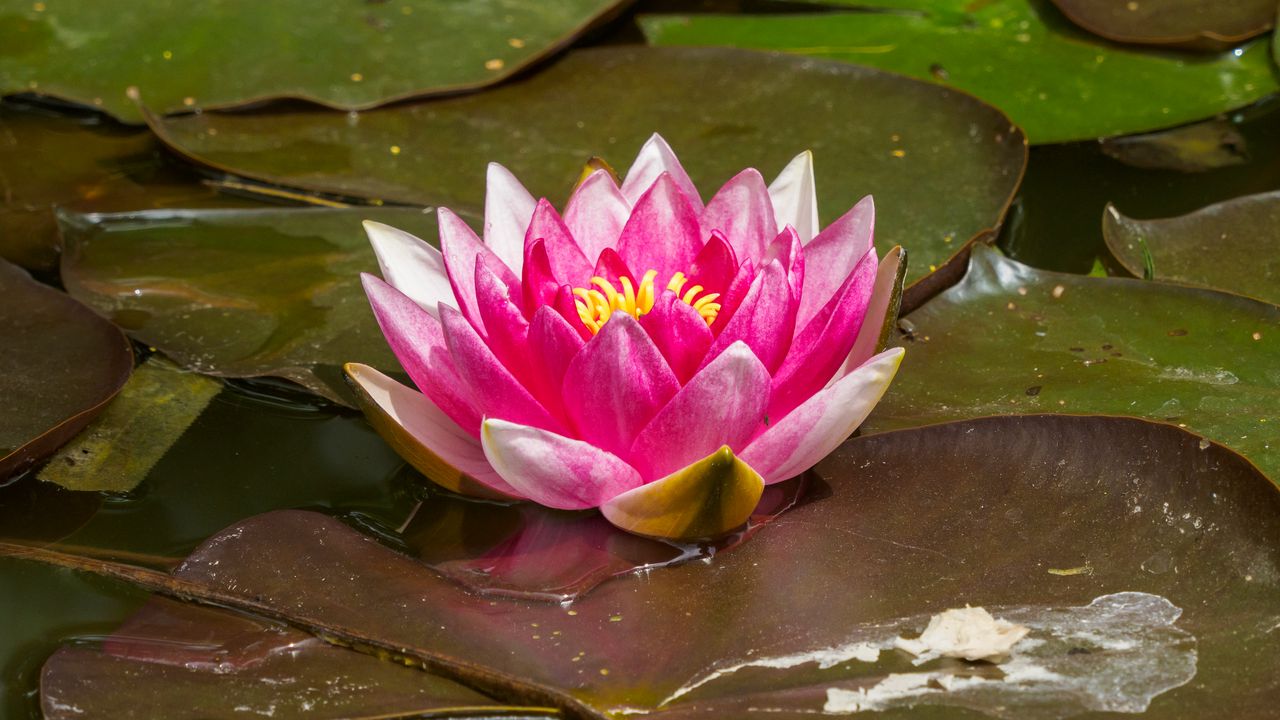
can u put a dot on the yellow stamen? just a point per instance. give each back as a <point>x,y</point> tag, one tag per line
<point>596,304</point>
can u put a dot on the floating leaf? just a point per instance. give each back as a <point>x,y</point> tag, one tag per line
<point>238,293</point>
<point>234,52</point>
<point>1176,534</point>
<point>1191,148</point>
<point>1232,246</point>
<point>115,452</point>
<point>1010,339</point>
<point>942,166</point>
<point>1056,81</point>
<point>1180,23</point>
<point>59,366</point>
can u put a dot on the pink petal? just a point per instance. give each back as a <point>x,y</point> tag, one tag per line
<point>833,254</point>
<point>654,159</point>
<point>679,333</point>
<point>507,209</point>
<point>495,389</point>
<point>732,298</point>
<point>554,470</point>
<point>786,248</point>
<point>820,349</point>
<point>809,433</point>
<point>611,267</point>
<point>410,265</point>
<point>878,312</point>
<point>461,248</point>
<point>596,213</point>
<point>538,284</point>
<point>714,266</point>
<point>417,340</point>
<point>507,332</point>
<point>568,264</point>
<point>431,427</point>
<point>553,343</point>
<point>722,405</point>
<point>662,233</point>
<point>765,321</point>
<point>566,306</point>
<point>795,197</point>
<point>743,212</point>
<point>616,384</point>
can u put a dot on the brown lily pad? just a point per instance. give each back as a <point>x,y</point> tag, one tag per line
<point>60,365</point>
<point>1192,24</point>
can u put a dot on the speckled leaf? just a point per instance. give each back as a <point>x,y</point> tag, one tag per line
<point>238,293</point>
<point>59,366</point>
<point>1010,339</point>
<point>1232,246</point>
<point>942,166</point>
<point>221,53</point>
<point>1193,24</point>
<point>1056,81</point>
<point>1037,518</point>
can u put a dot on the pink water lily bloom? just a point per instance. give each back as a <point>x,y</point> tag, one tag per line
<point>638,352</point>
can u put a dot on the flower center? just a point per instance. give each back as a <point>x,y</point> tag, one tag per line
<point>596,304</point>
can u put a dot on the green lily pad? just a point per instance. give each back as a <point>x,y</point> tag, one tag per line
<point>60,364</point>
<point>1056,81</point>
<point>942,166</point>
<point>352,56</point>
<point>1150,561</point>
<point>1010,339</point>
<point>239,293</point>
<point>1180,23</point>
<point>1232,246</point>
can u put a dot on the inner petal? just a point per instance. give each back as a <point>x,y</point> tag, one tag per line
<point>605,297</point>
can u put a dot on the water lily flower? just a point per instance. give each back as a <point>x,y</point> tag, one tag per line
<point>640,352</point>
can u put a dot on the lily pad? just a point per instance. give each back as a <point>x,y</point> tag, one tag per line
<point>238,293</point>
<point>1010,339</point>
<point>1056,81</point>
<point>1232,246</point>
<point>942,166</point>
<point>60,365</point>
<point>1149,563</point>
<point>181,56</point>
<point>1180,23</point>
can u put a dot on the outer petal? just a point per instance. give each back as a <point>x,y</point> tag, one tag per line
<point>411,266</point>
<point>507,209</point>
<point>743,212</point>
<point>809,433</point>
<point>655,158</point>
<point>882,311</point>
<point>707,499</point>
<point>568,264</point>
<point>795,197</point>
<point>417,339</point>
<point>554,470</point>
<point>833,254</point>
<point>596,214</point>
<point>765,321</point>
<point>424,436</point>
<point>616,384</point>
<point>662,233</point>
<point>679,332</point>
<point>721,406</point>
<point>461,249</point>
<point>495,389</point>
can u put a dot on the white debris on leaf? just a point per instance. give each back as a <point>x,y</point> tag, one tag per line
<point>969,633</point>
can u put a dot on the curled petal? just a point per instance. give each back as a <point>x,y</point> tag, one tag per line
<point>568,264</point>
<point>611,267</point>
<point>706,499</point>
<point>732,298</point>
<point>411,266</point>
<point>786,249</point>
<point>596,213</point>
<point>882,310</point>
<point>508,207</point>
<point>461,250</point>
<point>795,197</point>
<point>424,436</point>
<point>743,212</point>
<point>538,284</point>
<point>765,320</point>
<point>797,442</point>
<point>554,470</point>
<point>662,233</point>
<point>656,158</point>
<point>679,333</point>
<point>833,255</point>
<point>714,266</point>
<point>721,406</point>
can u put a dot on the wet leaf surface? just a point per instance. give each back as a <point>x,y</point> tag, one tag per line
<point>720,109</point>
<point>1163,540</point>
<point>1191,148</point>
<point>1010,339</point>
<point>234,52</point>
<point>59,366</point>
<point>1056,81</point>
<point>1232,246</point>
<point>1180,23</point>
<point>239,293</point>
<point>173,660</point>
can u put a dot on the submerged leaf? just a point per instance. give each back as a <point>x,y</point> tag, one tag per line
<point>1193,24</point>
<point>1192,148</point>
